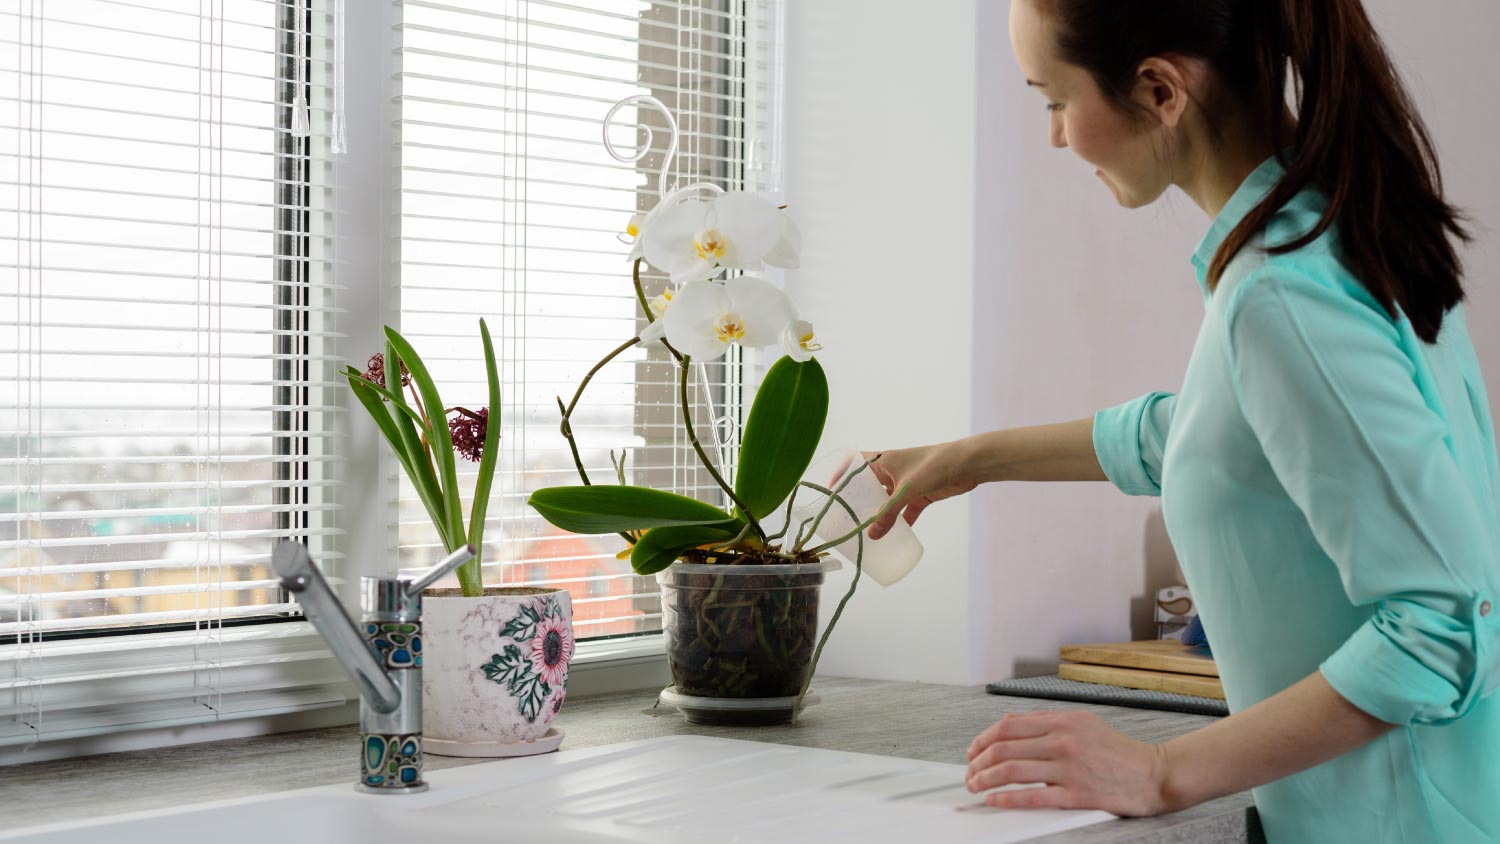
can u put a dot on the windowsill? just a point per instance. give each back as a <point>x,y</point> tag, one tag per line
<point>910,720</point>
<point>598,668</point>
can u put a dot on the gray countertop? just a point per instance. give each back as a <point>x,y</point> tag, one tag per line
<point>911,720</point>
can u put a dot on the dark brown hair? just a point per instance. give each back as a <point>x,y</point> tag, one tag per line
<point>1357,137</point>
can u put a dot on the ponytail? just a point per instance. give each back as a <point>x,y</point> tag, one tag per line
<point>1358,139</point>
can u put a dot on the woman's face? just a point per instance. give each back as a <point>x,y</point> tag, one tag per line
<point>1122,149</point>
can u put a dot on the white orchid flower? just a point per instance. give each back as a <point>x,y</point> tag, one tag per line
<point>707,316</point>
<point>692,240</point>
<point>800,341</point>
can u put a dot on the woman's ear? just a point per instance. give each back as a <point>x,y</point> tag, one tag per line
<point>1162,87</point>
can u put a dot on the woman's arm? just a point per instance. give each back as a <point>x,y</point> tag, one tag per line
<point>1086,764</point>
<point>931,473</point>
<point>1060,452</point>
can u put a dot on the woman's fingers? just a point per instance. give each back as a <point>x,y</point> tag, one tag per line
<point>1000,751</point>
<point>1013,772</point>
<point>1013,726</point>
<point>1050,797</point>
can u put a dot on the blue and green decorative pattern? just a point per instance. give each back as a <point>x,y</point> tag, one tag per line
<point>397,644</point>
<point>391,761</point>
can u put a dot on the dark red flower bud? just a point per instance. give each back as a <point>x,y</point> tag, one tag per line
<point>375,371</point>
<point>468,430</point>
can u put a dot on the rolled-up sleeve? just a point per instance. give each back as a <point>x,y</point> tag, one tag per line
<point>1129,440</point>
<point>1335,400</point>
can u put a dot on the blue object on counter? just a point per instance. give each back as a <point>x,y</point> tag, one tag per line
<point>1193,635</point>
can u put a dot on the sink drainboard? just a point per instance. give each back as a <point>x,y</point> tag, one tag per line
<point>686,789</point>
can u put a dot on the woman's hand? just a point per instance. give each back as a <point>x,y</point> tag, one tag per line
<point>929,473</point>
<point>1084,762</point>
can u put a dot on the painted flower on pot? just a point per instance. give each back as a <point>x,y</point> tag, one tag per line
<point>551,649</point>
<point>535,674</point>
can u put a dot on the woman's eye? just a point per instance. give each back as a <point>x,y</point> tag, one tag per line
<point>1054,106</point>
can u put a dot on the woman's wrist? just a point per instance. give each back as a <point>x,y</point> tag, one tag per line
<point>982,457</point>
<point>1176,790</point>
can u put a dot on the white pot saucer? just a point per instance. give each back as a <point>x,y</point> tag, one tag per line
<point>495,749</point>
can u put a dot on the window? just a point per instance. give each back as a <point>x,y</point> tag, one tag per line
<point>166,324</point>
<point>170,314</point>
<point>512,209</point>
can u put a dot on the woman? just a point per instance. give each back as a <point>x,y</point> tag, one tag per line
<point>1327,472</point>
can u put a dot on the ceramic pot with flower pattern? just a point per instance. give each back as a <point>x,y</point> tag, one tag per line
<point>495,668</point>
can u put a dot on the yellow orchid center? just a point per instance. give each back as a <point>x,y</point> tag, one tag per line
<point>710,244</point>
<point>632,229</point>
<point>729,327</point>
<point>809,343</point>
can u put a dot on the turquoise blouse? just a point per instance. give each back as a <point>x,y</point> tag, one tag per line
<point>1329,482</point>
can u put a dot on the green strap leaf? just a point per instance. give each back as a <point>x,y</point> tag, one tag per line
<point>611,509</point>
<point>785,425</point>
<point>370,398</point>
<point>660,546</point>
<point>352,373</point>
<point>437,430</point>
<point>469,574</point>
<point>422,474</point>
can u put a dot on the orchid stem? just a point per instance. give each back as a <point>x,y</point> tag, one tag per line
<point>733,542</point>
<point>566,426</point>
<point>791,499</point>
<point>687,422</point>
<point>640,293</point>
<point>859,559</point>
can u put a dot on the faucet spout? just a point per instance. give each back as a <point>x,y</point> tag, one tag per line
<point>301,578</point>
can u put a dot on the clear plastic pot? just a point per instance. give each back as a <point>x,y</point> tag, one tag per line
<point>741,631</point>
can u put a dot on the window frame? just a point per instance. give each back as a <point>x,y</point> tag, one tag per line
<point>367,231</point>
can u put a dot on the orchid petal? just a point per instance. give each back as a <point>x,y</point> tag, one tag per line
<point>786,253</point>
<point>653,332</point>
<point>763,308</point>
<point>752,226</point>
<point>667,241</point>
<point>690,322</point>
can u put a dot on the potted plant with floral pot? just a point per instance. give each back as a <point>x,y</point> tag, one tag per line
<point>494,660</point>
<point>740,601</point>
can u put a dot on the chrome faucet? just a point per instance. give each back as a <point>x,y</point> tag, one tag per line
<point>382,655</point>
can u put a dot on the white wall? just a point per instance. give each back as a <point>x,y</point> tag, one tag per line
<point>912,135</point>
<point>1078,305</point>
<point>880,152</point>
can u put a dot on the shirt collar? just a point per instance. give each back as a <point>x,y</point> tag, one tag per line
<point>1256,187</point>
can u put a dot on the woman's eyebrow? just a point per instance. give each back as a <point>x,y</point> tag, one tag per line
<point>1035,84</point>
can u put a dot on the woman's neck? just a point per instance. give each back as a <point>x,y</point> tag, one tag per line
<point>1218,169</point>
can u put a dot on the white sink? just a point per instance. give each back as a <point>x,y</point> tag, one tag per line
<point>686,789</point>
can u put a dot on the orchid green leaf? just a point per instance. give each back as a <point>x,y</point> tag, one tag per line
<point>661,546</point>
<point>785,425</point>
<point>610,509</point>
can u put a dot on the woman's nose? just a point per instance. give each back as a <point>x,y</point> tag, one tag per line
<point>1055,133</point>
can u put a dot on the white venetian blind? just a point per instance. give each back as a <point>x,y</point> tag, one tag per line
<point>166,358</point>
<point>512,209</point>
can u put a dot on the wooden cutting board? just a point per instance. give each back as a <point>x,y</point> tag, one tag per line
<point>1141,678</point>
<point>1156,655</point>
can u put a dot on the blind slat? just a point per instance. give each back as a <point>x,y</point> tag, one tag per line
<point>56,625</point>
